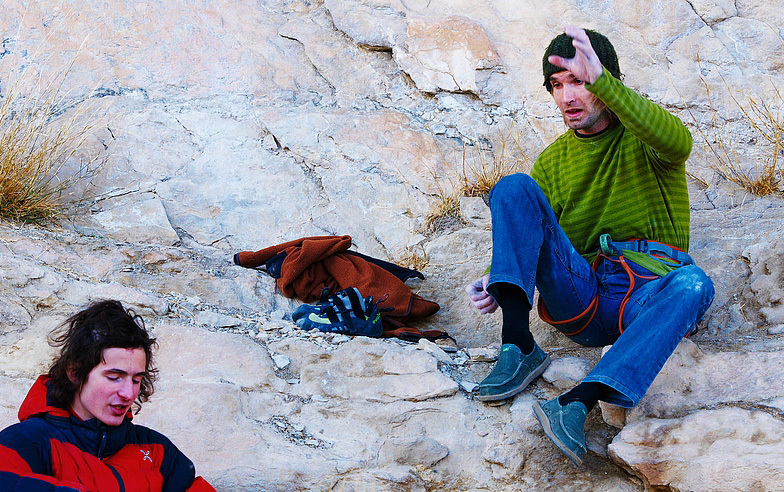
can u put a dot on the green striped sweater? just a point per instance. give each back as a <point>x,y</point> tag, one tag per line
<point>629,181</point>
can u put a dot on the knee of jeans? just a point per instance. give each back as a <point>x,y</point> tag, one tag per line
<point>510,186</point>
<point>693,283</point>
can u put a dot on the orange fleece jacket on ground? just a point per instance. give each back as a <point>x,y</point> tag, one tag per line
<point>318,262</point>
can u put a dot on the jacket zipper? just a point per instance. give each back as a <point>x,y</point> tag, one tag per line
<point>103,443</point>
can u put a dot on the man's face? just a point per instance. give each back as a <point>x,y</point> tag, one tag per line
<point>112,386</point>
<point>581,110</point>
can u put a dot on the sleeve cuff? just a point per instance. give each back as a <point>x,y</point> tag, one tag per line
<point>600,83</point>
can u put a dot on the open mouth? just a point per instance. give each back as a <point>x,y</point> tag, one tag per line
<point>119,409</point>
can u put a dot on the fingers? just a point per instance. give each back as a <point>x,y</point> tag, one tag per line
<point>580,39</point>
<point>575,33</point>
<point>474,288</point>
<point>559,61</point>
<point>485,304</point>
<point>489,307</point>
<point>478,285</point>
<point>479,297</point>
<point>585,65</point>
<point>581,44</point>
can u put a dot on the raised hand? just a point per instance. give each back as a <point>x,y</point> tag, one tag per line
<point>585,65</point>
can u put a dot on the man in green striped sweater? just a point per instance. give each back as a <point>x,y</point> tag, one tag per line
<point>601,229</point>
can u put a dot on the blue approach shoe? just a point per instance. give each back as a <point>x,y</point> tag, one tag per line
<point>344,312</point>
<point>512,373</point>
<point>563,424</point>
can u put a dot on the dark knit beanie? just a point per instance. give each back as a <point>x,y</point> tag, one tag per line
<point>562,46</point>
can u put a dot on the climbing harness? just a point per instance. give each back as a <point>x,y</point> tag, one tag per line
<point>669,255</point>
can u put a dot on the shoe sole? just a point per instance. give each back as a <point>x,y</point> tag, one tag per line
<point>507,394</point>
<point>548,431</point>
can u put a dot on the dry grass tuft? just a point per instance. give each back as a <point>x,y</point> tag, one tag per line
<point>480,169</point>
<point>481,173</point>
<point>765,118</point>
<point>446,214</point>
<point>40,134</point>
<point>765,178</point>
<point>412,259</point>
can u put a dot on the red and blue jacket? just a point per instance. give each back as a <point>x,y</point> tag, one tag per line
<point>51,450</point>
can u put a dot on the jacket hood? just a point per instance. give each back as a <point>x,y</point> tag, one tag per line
<point>36,402</point>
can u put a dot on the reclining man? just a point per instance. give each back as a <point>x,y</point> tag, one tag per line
<point>75,431</point>
<point>618,173</point>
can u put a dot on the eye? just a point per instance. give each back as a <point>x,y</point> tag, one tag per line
<point>578,82</point>
<point>137,381</point>
<point>113,378</point>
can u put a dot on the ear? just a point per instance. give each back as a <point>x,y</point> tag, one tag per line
<point>71,374</point>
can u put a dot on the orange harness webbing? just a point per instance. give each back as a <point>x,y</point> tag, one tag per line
<point>590,311</point>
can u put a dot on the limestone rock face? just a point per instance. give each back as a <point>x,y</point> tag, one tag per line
<point>382,375</point>
<point>767,279</point>
<point>234,125</point>
<point>378,25</point>
<point>448,55</point>
<point>674,437</point>
<point>733,448</point>
<point>693,379</point>
<point>141,218</point>
<point>566,372</point>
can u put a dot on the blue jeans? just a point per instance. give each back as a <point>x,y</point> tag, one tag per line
<point>531,250</point>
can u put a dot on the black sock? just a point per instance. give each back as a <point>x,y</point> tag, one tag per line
<point>587,393</point>
<point>514,308</point>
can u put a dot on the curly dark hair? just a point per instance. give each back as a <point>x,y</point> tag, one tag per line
<point>83,337</point>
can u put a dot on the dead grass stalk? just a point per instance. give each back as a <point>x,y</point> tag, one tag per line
<point>480,168</point>
<point>40,133</point>
<point>765,118</point>
<point>481,173</point>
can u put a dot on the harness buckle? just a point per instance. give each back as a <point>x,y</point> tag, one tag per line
<point>606,245</point>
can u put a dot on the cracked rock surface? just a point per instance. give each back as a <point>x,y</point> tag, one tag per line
<point>229,126</point>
